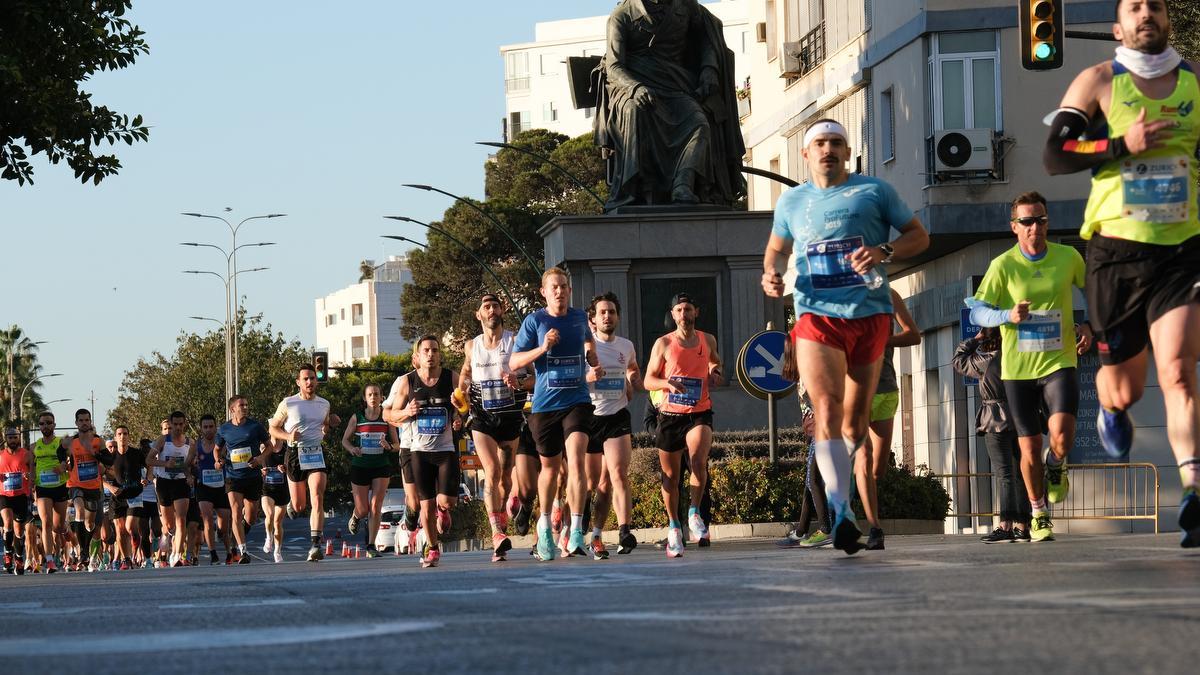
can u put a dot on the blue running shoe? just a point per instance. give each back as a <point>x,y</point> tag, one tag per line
<point>545,544</point>
<point>1116,433</point>
<point>576,544</point>
<point>1189,518</point>
<point>846,534</point>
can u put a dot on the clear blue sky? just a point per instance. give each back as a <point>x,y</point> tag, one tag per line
<point>292,107</point>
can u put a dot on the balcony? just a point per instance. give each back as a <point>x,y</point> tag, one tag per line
<point>516,85</point>
<point>804,55</point>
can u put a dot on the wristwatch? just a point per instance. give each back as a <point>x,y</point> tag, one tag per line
<point>888,250</point>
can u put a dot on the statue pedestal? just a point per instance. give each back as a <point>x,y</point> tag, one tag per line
<point>646,257</point>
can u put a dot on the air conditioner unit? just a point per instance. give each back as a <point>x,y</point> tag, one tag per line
<point>794,61</point>
<point>963,150</point>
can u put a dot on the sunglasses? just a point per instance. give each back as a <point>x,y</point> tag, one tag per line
<point>1031,220</point>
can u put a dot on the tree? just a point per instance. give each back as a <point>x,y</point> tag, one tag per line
<point>366,271</point>
<point>47,49</point>
<point>20,351</point>
<point>1185,28</point>
<point>523,193</point>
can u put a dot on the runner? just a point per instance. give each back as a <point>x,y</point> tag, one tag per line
<point>1027,293</point>
<point>146,515</point>
<point>872,460</point>
<point>366,438</point>
<point>14,499</point>
<point>301,421</point>
<point>50,469</point>
<point>85,454</point>
<point>172,457</point>
<point>610,445</point>
<point>243,448</point>
<point>1142,227</point>
<point>423,397</point>
<point>684,364</point>
<point>497,395</point>
<point>275,499</point>
<point>843,304</point>
<point>209,480</point>
<point>124,480</point>
<point>557,342</point>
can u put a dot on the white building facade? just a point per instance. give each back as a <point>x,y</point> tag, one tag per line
<point>364,319</point>
<point>537,93</point>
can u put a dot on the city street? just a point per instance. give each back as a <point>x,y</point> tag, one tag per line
<point>1124,603</point>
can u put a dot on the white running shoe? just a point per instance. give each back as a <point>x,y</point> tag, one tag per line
<point>674,543</point>
<point>278,557</point>
<point>267,544</point>
<point>697,530</point>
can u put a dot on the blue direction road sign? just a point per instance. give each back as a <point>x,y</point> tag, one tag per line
<point>761,364</point>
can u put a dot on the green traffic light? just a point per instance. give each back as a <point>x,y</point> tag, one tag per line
<point>1044,51</point>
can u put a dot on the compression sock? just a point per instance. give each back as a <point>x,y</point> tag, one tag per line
<point>674,524</point>
<point>833,460</point>
<point>597,533</point>
<point>693,511</point>
<point>1189,472</point>
<point>1052,459</point>
<point>576,522</point>
<point>316,538</point>
<point>543,522</point>
<point>8,540</point>
<point>1038,506</point>
<point>496,518</point>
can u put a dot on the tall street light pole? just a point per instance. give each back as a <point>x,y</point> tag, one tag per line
<point>12,380</point>
<point>537,272</point>
<point>21,400</point>
<point>231,385</point>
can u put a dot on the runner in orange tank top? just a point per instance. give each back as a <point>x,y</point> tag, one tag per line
<point>684,364</point>
<point>85,454</point>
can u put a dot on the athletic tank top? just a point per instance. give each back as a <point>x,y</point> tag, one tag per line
<point>488,392</point>
<point>367,437</point>
<point>432,431</point>
<point>13,466</point>
<point>688,365</point>
<point>206,465</point>
<point>1151,197</point>
<point>172,453</point>
<point>85,466</point>
<point>46,456</point>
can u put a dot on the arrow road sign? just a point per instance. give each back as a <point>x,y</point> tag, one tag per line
<point>760,365</point>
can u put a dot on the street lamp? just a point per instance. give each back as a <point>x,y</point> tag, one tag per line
<point>12,384</point>
<point>233,230</point>
<point>467,202</point>
<point>474,256</point>
<point>570,176</point>
<point>21,401</point>
<point>411,241</point>
<point>231,385</point>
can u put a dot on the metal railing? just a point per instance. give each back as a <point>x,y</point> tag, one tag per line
<point>812,49</point>
<point>1098,492</point>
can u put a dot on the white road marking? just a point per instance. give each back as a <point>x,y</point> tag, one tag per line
<point>605,579</point>
<point>235,603</point>
<point>464,591</point>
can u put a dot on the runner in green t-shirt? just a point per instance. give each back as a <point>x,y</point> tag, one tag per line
<point>1028,292</point>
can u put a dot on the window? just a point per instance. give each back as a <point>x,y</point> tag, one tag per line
<point>331,319</point>
<point>887,125</point>
<point>516,72</point>
<point>549,112</point>
<point>342,311</point>
<point>965,87</point>
<point>654,294</point>
<point>776,186</point>
<point>358,349</point>
<point>546,64</point>
<point>356,315</point>
<point>772,34</point>
<point>518,122</point>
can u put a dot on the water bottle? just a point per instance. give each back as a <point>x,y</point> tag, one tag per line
<point>872,279</point>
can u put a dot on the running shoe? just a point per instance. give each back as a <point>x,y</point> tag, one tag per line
<point>846,535</point>
<point>267,544</point>
<point>233,558</point>
<point>148,564</point>
<point>627,543</point>
<point>8,563</point>
<point>352,524</point>
<point>175,561</point>
<point>674,543</point>
<point>705,541</point>
<point>816,540</point>
<point>998,536</point>
<point>1189,518</point>
<point>1041,529</point>
<point>576,545</point>
<point>556,519</point>
<point>598,550</point>
<point>19,566</point>
<point>564,541</point>
<point>431,556</point>
<point>243,559</point>
<point>500,546</point>
<point>697,530</point>
<point>1116,433</point>
<point>545,544</point>
<point>875,539</point>
<point>213,559</point>
<point>93,565</point>
<point>521,519</point>
<point>291,512</point>
<point>371,552</point>
<point>50,567</point>
<point>1021,534</point>
<point>315,554</point>
<point>278,556</point>
<point>1057,484</point>
<point>193,561</point>
<point>443,521</point>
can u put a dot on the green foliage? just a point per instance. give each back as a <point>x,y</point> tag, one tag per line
<point>22,352</point>
<point>1185,28</point>
<point>753,491</point>
<point>46,50</point>
<point>905,494</point>
<point>469,520</point>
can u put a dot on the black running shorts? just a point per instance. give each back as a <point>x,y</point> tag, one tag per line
<point>436,473</point>
<point>550,429</point>
<point>1029,400</point>
<point>605,427</point>
<point>673,428</point>
<point>504,427</point>
<point>366,475</point>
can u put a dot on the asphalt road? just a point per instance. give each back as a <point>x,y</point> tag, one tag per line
<point>1120,604</point>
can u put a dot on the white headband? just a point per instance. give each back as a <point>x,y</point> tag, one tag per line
<point>824,128</point>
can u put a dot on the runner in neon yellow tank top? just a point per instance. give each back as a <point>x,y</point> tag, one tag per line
<point>1143,261</point>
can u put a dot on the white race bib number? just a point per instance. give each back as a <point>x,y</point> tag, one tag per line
<point>274,477</point>
<point>13,481</point>
<point>609,388</point>
<point>829,263</point>
<point>88,471</point>
<point>496,395</point>
<point>432,421</point>
<point>1155,190</point>
<point>311,457</point>
<point>239,458</point>
<point>1041,332</point>
<point>690,397</point>
<point>564,372</point>
<point>370,442</point>
<point>48,477</point>
<point>212,478</point>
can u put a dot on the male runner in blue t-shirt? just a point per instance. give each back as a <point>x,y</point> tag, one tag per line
<point>841,222</point>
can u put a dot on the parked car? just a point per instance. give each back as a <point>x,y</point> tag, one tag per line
<point>392,536</point>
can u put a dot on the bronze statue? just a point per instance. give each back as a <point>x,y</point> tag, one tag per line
<point>667,113</point>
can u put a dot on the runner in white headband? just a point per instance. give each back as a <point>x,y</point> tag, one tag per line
<point>824,127</point>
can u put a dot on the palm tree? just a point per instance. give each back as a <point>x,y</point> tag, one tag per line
<point>18,367</point>
<point>366,271</point>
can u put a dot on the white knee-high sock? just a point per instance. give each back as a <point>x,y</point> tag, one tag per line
<point>833,459</point>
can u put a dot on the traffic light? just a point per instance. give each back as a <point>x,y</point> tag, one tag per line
<point>1042,34</point>
<point>320,359</point>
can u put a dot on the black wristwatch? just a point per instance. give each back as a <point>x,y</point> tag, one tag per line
<point>888,250</point>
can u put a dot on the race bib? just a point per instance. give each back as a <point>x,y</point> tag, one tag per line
<point>609,388</point>
<point>432,421</point>
<point>311,457</point>
<point>48,477</point>
<point>274,477</point>
<point>88,471</point>
<point>135,502</point>
<point>1155,190</point>
<point>13,481</point>
<point>563,372</point>
<point>690,397</point>
<point>829,264</point>
<point>212,478</point>
<point>1041,332</point>
<point>239,458</point>
<point>369,442</point>
<point>496,395</point>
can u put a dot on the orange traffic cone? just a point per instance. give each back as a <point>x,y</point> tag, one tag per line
<point>328,548</point>
<point>345,550</point>
<point>357,551</point>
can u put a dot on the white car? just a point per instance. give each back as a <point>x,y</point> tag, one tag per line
<point>392,535</point>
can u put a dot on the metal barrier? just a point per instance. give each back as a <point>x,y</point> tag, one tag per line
<point>1098,492</point>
